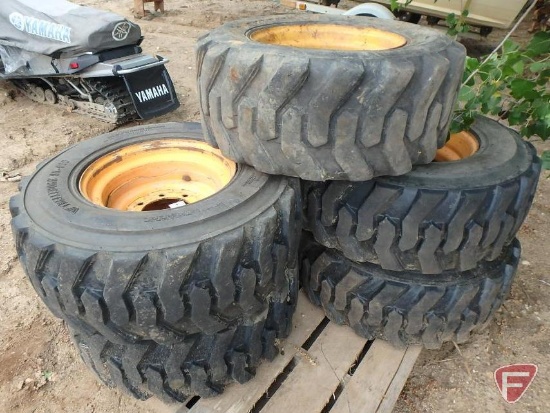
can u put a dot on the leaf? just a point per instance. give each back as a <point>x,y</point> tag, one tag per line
<point>495,104</point>
<point>545,157</point>
<point>510,61</point>
<point>495,74</point>
<point>466,94</point>
<point>518,67</point>
<point>522,88</point>
<point>542,107</point>
<point>472,64</point>
<point>517,116</point>
<point>483,75</point>
<point>398,5</point>
<point>543,77</point>
<point>452,32</point>
<point>394,5</point>
<point>464,28</point>
<point>456,125</point>
<point>509,46</point>
<point>539,66</point>
<point>451,19</point>
<point>462,121</point>
<point>538,128</point>
<point>540,44</point>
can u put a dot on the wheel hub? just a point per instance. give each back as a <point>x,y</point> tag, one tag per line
<point>156,175</point>
<point>329,37</point>
<point>460,146</point>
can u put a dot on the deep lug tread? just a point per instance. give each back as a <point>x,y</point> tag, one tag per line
<point>158,387</point>
<point>121,381</point>
<point>225,254</point>
<point>434,70</point>
<point>412,223</point>
<point>162,294</point>
<point>201,364</point>
<point>269,349</point>
<point>122,275</point>
<point>72,271</point>
<point>174,268</point>
<point>344,233</point>
<point>408,307</point>
<point>237,362</point>
<point>304,114</point>
<point>246,285</point>
<point>51,291</point>
<point>200,310</point>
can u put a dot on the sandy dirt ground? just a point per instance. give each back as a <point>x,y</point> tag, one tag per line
<point>40,370</point>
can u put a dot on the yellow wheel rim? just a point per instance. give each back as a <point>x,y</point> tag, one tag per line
<point>329,37</point>
<point>156,175</point>
<point>460,146</point>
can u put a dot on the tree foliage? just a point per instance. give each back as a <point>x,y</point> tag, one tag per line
<point>512,84</point>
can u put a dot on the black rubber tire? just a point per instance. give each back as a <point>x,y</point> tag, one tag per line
<point>328,114</point>
<point>440,216</point>
<point>408,307</point>
<point>156,275</point>
<point>200,365</point>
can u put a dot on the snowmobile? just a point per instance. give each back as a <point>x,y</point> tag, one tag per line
<point>89,60</point>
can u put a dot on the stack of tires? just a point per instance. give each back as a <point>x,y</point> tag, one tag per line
<point>422,254</point>
<point>172,251</point>
<point>429,256</point>
<point>174,268</point>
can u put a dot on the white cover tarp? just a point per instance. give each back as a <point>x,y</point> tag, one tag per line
<point>56,26</point>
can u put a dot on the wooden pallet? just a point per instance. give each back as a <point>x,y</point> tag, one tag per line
<point>323,367</point>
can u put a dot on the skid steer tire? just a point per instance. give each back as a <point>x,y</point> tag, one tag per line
<point>163,274</point>
<point>199,365</point>
<point>408,307</point>
<point>440,216</point>
<point>325,111</point>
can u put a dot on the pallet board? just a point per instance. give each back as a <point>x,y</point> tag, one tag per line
<point>322,367</point>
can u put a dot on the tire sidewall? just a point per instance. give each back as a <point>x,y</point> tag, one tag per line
<point>502,156</point>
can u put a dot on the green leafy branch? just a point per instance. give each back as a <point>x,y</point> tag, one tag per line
<point>512,85</point>
<point>458,24</point>
<point>399,4</point>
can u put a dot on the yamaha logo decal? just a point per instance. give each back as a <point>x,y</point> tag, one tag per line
<point>42,28</point>
<point>18,21</point>
<point>152,93</point>
<point>121,31</point>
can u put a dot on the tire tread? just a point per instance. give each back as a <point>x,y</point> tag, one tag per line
<point>408,308</point>
<point>305,116</point>
<point>163,294</point>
